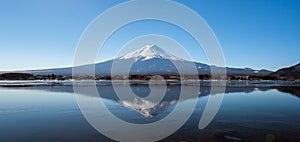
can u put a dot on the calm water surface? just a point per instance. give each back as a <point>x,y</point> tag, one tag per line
<point>263,113</point>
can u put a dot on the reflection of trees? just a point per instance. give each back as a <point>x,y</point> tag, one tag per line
<point>107,91</point>
<point>294,90</point>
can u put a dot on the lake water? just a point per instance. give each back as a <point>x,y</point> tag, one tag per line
<point>255,112</point>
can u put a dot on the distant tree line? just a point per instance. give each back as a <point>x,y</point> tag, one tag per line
<point>27,76</point>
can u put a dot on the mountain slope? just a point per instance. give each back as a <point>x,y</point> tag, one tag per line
<point>149,52</point>
<point>150,60</point>
<point>290,72</point>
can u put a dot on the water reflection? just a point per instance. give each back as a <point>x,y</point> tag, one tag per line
<point>147,108</point>
<point>248,113</point>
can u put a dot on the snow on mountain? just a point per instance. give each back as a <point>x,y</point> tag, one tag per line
<point>149,52</point>
<point>150,59</point>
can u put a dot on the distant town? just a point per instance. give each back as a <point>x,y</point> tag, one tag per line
<point>27,76</point>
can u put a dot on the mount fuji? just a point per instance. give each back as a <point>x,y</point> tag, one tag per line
<point>149,52</point>
<point>150,60</point>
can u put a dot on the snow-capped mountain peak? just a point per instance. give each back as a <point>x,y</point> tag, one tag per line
<point>149,52</point>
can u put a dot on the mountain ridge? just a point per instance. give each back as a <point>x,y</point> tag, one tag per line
<point>292,72</point>
<point>152,60</point>
<point>148,52</point>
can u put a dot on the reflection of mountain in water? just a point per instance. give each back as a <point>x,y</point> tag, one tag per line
<point>294,90</point>
<point>148,108</point>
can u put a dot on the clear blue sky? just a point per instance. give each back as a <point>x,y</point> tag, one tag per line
<point>36,34</point>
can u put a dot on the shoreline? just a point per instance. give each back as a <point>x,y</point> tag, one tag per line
<point>190,82</point>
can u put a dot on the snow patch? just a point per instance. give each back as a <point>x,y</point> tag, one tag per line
<point>149,52</point>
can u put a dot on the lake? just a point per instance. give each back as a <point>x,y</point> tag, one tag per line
<point>250,111</point>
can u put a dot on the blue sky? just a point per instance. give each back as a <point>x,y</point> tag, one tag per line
<point>36,34</point>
